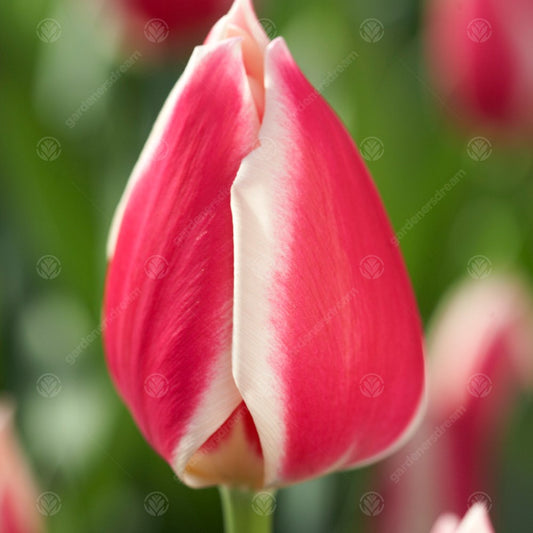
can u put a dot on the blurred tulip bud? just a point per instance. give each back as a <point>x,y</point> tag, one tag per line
<point>168,26</point>
<point>480,353</point>
<point>18,496</point>
<point>246,328</point>
<point>476,520</point>
<point>479,52</point>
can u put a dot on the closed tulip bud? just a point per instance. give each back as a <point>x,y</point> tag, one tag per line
<point>259,321</point>
<point>479,52</point>
<point>480,354</point>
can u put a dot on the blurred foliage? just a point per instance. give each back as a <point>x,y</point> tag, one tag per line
<point>82,443</point>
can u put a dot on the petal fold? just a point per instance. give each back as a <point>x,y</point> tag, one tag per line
<point>169,294</point>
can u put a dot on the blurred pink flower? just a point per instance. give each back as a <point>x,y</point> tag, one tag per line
<point>480,352</point>
<point>18,495</point>
<point>169,26</point>
<point>260,323</point>
<point>479,52</point>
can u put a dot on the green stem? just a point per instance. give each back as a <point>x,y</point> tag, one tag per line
<point>247,512</point>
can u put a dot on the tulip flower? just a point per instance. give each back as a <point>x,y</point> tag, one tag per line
<point>18,497</point>
<point>476,520</point>
<point>480,354</point>
<point>479,52</point>
<point>253,283</point>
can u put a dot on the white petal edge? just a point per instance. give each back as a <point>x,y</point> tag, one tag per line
<point>153,142</point>
<point>252,204</point>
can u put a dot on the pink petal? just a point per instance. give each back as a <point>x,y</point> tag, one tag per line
<point>322,299</point>
<point>168,305</point>
<point>18,494</point>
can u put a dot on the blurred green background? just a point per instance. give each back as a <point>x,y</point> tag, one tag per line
<point>57,197</point>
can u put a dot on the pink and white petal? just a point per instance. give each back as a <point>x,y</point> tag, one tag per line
<point>169,293</point>
<point>312,315</point>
